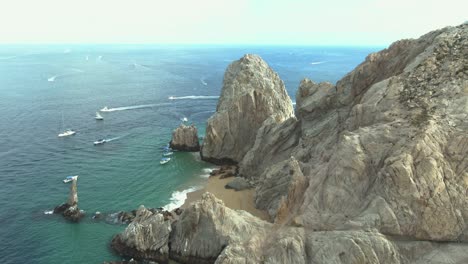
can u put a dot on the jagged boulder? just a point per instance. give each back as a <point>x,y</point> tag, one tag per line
<point>185,138</point>
<point>252,92</point>
<point>70,210</point>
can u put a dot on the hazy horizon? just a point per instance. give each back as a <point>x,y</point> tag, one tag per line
<point>215,22</point>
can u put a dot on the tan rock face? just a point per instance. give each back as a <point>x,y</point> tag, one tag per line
<point>373,170</point>
<point>252,92</point>
<point>185,138</point>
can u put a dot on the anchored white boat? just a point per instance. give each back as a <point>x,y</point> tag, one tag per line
<point>105,109</point>
<point>164,160</point>
<point>100,142</point>
<point>67,133</point>
<point>168,153</point>
<point>98,116</point>
<point>70,178</point>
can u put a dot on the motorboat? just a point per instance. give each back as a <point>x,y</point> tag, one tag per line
<point>164,160</point>
<point>168,153</point>
<point>70,178</point>
<point>67,133</point>
<point>98,116</point>
<point>171,97</point>
<point>99,142</point>
<point>105,109</point>
<point>184,119</point>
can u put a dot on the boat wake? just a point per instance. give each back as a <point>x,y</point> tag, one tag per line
<point>73,71</point>
<point>193,97</point>
<point>123,108</point>
<point>202,80</point>
<point>178,198</point>
<point>317,62</point>
<point>112,139</point>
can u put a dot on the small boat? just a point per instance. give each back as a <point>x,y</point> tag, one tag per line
<point>99,142</point>
<point>171,98</point>
<point>105,109</point>
<point>67,133</point>
<point>168,153</point>
<point>164,160</point>
<point>98,116</point>
<point>184,119</point>
<point>70,178</point>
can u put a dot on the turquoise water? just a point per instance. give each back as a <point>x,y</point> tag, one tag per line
<point>40,84</point>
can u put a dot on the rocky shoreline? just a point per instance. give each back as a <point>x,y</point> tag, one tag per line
<point>370,170</point>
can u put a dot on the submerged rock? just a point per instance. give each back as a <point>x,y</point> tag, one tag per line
<point>251,93</point>
<point>70,210</point>
<point>185,138</point>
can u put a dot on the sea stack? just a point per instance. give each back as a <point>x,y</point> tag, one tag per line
<point>185,138</point>
<point>252,92</point>
<point>70,210</point>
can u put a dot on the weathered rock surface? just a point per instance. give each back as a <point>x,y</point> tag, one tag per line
<point>252,92</point>
<point>373,170</point>
<point>70,210</point>
<point>185,138</point>
<point>238,184</point>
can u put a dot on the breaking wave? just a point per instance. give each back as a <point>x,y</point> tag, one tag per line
<point>178,198</point>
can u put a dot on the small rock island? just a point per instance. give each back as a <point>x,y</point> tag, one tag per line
<point>185,138</point>
<point>70,210</point>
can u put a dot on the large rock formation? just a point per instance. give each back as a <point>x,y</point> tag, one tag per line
<point>185,138</point>
<point>252,92</point>
<point>372,170</point>
<point>70,210</point>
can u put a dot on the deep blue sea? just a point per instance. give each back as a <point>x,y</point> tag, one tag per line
<point>45,89</point>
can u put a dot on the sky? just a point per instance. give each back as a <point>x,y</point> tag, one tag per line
<point>272,22</point>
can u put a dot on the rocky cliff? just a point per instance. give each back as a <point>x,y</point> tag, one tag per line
<point>252,92</point>
<point>185,138</point>
<point>373,169</point>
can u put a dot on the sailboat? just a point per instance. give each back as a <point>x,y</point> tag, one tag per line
<point>98,116</point>
<point>67,132</point>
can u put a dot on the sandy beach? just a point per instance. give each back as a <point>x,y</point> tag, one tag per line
<point>239,200</point>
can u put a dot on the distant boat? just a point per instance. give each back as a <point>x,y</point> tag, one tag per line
<point>70,178</point>
<point>99,142</point>
<point>105,109</point>
<point>67,133</point>
<point>164,160</point>
<point>168,153</point>
<point>171,97</point>
<point>184,119</point>
<point>98,116</point>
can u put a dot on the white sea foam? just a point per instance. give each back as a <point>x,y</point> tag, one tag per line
<point>317,62</point>
<point>48,212</point>
<point>178,198</point>
<point>193,97</point>
<point>128,107</point>
<point>202,80</point>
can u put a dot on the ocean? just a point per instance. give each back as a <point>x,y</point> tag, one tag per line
<point>45,89</point>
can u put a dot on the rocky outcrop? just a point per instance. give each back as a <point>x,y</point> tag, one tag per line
<point>252,92</point>
<point>372,170</point>
<point>185,138</point>
<point>238,184</point>
<point>70,210</point>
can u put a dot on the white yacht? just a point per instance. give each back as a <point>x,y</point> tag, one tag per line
<point>98,116</point>
<point>100,142</point>
<point>164,161</point>
<point>70,178</point>
<point>67,133</point>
